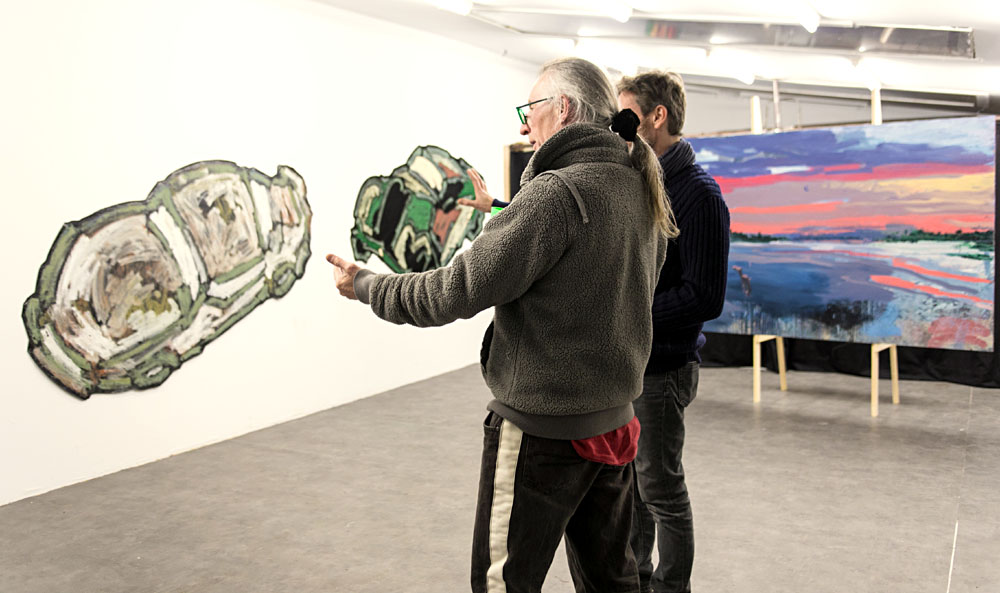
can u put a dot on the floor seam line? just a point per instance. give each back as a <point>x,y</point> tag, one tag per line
<point>961,487</point>
<point>951,566</point>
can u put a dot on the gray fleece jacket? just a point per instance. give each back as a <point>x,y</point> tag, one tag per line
<point>570,267</point>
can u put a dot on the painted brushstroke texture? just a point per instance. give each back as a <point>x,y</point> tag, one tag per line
<point>865,234</point>
<point>411,219</point>
<point>131,292</point>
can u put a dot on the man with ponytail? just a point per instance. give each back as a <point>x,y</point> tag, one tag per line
<point>569,267</point>
<point>691,290</point>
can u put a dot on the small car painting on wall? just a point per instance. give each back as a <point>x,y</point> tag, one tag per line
<point>411,219</point>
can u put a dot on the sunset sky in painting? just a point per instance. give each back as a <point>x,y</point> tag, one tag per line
<point>936,176</point>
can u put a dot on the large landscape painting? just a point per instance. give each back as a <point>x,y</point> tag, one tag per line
<point>871,234</point>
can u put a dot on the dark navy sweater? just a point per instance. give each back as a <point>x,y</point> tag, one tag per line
<point>692,286</point>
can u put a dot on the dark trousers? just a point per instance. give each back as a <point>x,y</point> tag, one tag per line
<point>532,492</point>
<point>662,507</point>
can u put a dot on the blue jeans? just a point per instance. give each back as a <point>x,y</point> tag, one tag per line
<point>662,506</point>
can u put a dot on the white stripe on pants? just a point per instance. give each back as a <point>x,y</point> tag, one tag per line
<point>503,504</point>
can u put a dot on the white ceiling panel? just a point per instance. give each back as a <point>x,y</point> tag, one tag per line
<point>858,43</point>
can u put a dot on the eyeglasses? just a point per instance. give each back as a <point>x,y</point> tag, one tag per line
<point>524,110</point>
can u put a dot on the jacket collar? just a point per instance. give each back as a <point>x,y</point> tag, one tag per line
<point>676,158</point>
<point>576,143</point>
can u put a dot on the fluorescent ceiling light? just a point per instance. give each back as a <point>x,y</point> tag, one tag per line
<point>462,7</point>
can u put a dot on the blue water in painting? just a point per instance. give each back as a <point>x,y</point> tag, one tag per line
<point>798,290</point>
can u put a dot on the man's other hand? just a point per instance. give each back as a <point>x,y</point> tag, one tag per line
<point>343,274</point>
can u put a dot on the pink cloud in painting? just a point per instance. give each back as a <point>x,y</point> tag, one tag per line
<point>933,204</point>
<point>834,173</point>
<point>824,226</point>
<point>790,209</point>
<point>948,331</point>
<point>936,176</point>
<point>900,283</point>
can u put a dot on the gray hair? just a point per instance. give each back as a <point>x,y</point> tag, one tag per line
<point>593,100</point>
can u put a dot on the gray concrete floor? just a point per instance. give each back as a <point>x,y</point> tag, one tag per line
<point>803,492</point>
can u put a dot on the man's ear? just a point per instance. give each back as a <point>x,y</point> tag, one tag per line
<point>661,117</point>
<point>564,112</point>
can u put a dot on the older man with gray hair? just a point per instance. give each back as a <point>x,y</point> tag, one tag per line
<point>570,266</point>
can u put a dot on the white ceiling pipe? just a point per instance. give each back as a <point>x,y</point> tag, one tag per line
<point>462,7</point>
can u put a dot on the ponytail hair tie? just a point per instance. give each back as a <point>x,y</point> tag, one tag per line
<point>626,123</point>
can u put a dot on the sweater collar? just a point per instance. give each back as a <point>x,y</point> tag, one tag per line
<point>677,157</point>
<point>576,143</point>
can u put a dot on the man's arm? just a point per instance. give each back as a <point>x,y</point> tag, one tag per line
<point>515,249</point>
<point>703,245</point>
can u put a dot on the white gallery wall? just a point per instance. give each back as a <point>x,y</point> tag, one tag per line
<point>102,99</point>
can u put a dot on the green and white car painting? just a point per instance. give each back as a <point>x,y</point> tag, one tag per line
<point>129,293</point>
<point>411,219</point>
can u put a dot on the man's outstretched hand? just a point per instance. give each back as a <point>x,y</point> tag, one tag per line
<point>343,274</point>
<point>483,201</point>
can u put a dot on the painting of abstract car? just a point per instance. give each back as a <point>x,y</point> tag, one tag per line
<point>129,293</point>
<point>411,219</point>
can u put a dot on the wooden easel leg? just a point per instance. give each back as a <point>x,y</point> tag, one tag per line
<point>875,351</point>
<point>756,369</point>
<point>757,341</point>
<point>781,363</point>
<point>894,370</point>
